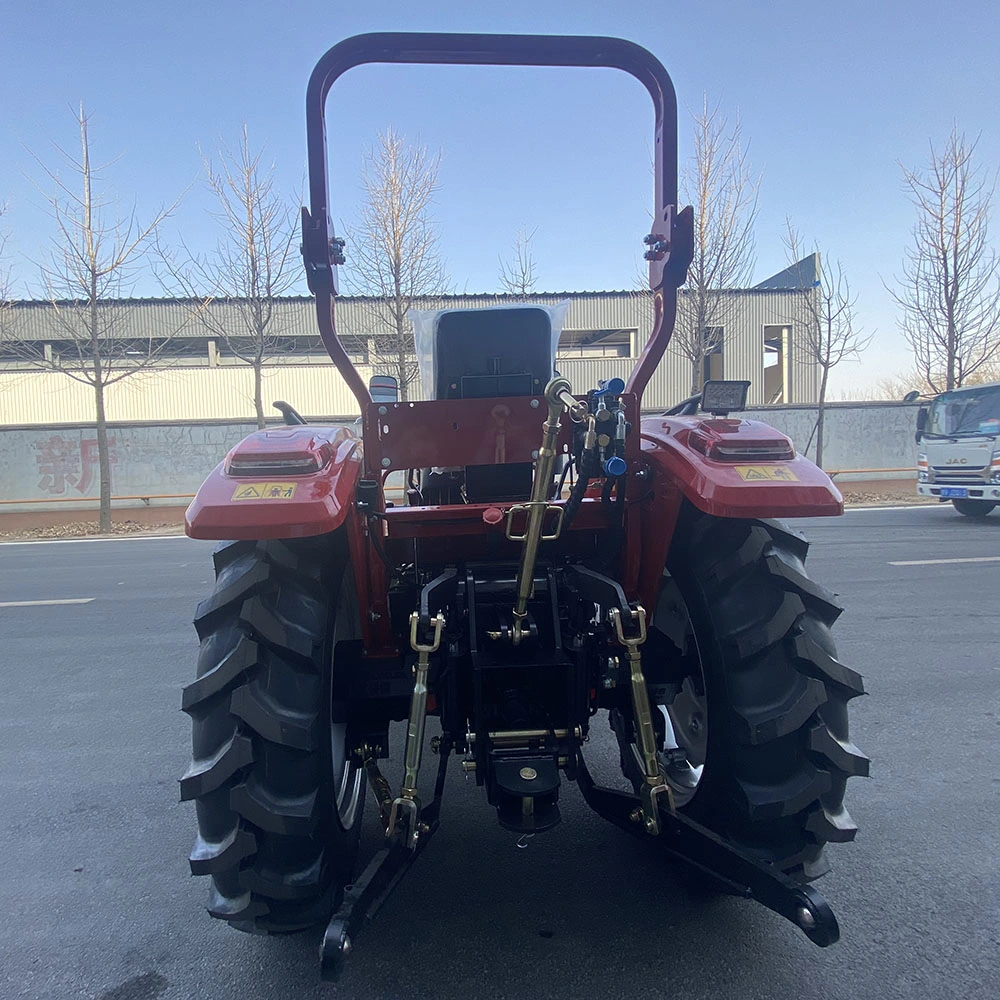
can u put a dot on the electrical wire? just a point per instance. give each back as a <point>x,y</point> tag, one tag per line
<point>562,478</point>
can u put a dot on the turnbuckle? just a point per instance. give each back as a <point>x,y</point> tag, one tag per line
<point>653,786</point>
<point>406,806</point>
<point>559,397</point>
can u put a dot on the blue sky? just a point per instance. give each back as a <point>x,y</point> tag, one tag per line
<point>831,96</point>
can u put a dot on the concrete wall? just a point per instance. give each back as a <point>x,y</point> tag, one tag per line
<point>59,462</point>
<point>862,435</point>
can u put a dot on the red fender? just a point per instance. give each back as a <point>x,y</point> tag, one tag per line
<point>285,482</point>
<point>737,468</point>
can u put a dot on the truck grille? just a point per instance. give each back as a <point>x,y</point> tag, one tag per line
<point>951,476</point>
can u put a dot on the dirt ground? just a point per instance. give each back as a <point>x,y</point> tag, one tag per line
<point>27,525</point>
<point>31,525</point>
<point>882,493</point>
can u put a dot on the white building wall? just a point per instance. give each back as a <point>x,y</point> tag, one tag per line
<point>190,392</point>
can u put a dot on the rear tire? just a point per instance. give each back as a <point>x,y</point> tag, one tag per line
<point>279,798</point>
<point>973,508</point>
<point>752,632</point>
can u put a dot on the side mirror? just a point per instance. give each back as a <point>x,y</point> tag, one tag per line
<point>384,388</point>
<point>921,423</point>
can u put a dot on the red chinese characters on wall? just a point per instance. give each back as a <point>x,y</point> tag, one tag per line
<point>67,463</point>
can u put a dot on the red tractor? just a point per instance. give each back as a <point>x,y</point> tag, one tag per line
<point>657,591</point>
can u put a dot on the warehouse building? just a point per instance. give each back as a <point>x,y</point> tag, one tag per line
<point>764,337</point>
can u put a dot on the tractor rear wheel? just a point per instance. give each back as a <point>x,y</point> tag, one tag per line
<point>973,508</point>
<point>279,797</point>
<point>760,750</point>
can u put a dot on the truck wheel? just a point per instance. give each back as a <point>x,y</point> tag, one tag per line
<point>973,508</point>
<point>278,795</point>
<point>758,702</point>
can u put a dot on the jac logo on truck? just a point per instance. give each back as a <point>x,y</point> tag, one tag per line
<point>956,461</point>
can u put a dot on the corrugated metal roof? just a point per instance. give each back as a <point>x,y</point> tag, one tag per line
<point>805,273</point>
<point>446,296</point>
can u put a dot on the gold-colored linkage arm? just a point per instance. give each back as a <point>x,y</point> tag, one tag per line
<point>408,801</point>
<point>559,397</point>
<point>653,785</point>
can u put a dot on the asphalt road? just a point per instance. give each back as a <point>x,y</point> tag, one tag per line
<point>96,900</point>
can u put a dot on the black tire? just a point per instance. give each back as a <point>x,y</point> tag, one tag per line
<point>973,508</point>
<point>777,753</point>
<point>278,798</point>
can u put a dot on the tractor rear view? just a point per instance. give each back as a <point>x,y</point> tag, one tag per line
<point>561,562</point>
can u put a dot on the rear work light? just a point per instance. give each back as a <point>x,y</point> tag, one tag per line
<point>727,440</point>
<point>286,451</point>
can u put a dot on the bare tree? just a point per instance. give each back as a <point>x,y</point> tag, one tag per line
<point>236,288</point>
<point>6,286</point>
<point>722,187</point>
<point>517,274</point>
<point>898,385</point>
<point>394,254</point>
<point>831,333</point>
<point>950,289</point>
<point>90,268</point>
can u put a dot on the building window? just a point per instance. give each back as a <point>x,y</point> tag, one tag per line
<point>596,344</point>
<point>712,339</point>
<point>777,343</point>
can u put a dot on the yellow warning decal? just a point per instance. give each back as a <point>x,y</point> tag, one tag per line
<point>265,491</point>
<point>767,473</point>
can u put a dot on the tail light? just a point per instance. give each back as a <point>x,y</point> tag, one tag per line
<point>291,451</point>
<point>740,441</point>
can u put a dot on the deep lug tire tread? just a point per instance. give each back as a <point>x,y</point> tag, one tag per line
<point>779,752</point>
<point>268,832</point>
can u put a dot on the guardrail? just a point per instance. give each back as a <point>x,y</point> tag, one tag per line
<point>865,472</point>
<point>145,498</point>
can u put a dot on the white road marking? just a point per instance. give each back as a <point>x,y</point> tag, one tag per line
<point>33,604</point>
<point>941,562</point>
<point>75,541</point>
<point>915,506</point>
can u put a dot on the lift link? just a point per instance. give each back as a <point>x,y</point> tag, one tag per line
<point>559,397</point>
<point>735,871</point>
<point>406,806</point>
<point>376,779</point>
<point>653,786</point>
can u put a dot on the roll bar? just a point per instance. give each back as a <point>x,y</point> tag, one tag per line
<point>669,242</point>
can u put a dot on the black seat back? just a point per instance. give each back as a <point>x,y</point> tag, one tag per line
<point>481,353</point>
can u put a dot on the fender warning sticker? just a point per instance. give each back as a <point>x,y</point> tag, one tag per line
<point>265,491</point>
<point>767,473</point>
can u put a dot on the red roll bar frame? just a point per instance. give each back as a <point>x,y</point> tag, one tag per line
<point>669,243</point>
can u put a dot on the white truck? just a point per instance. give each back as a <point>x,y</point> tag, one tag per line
<point>958,442</point>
